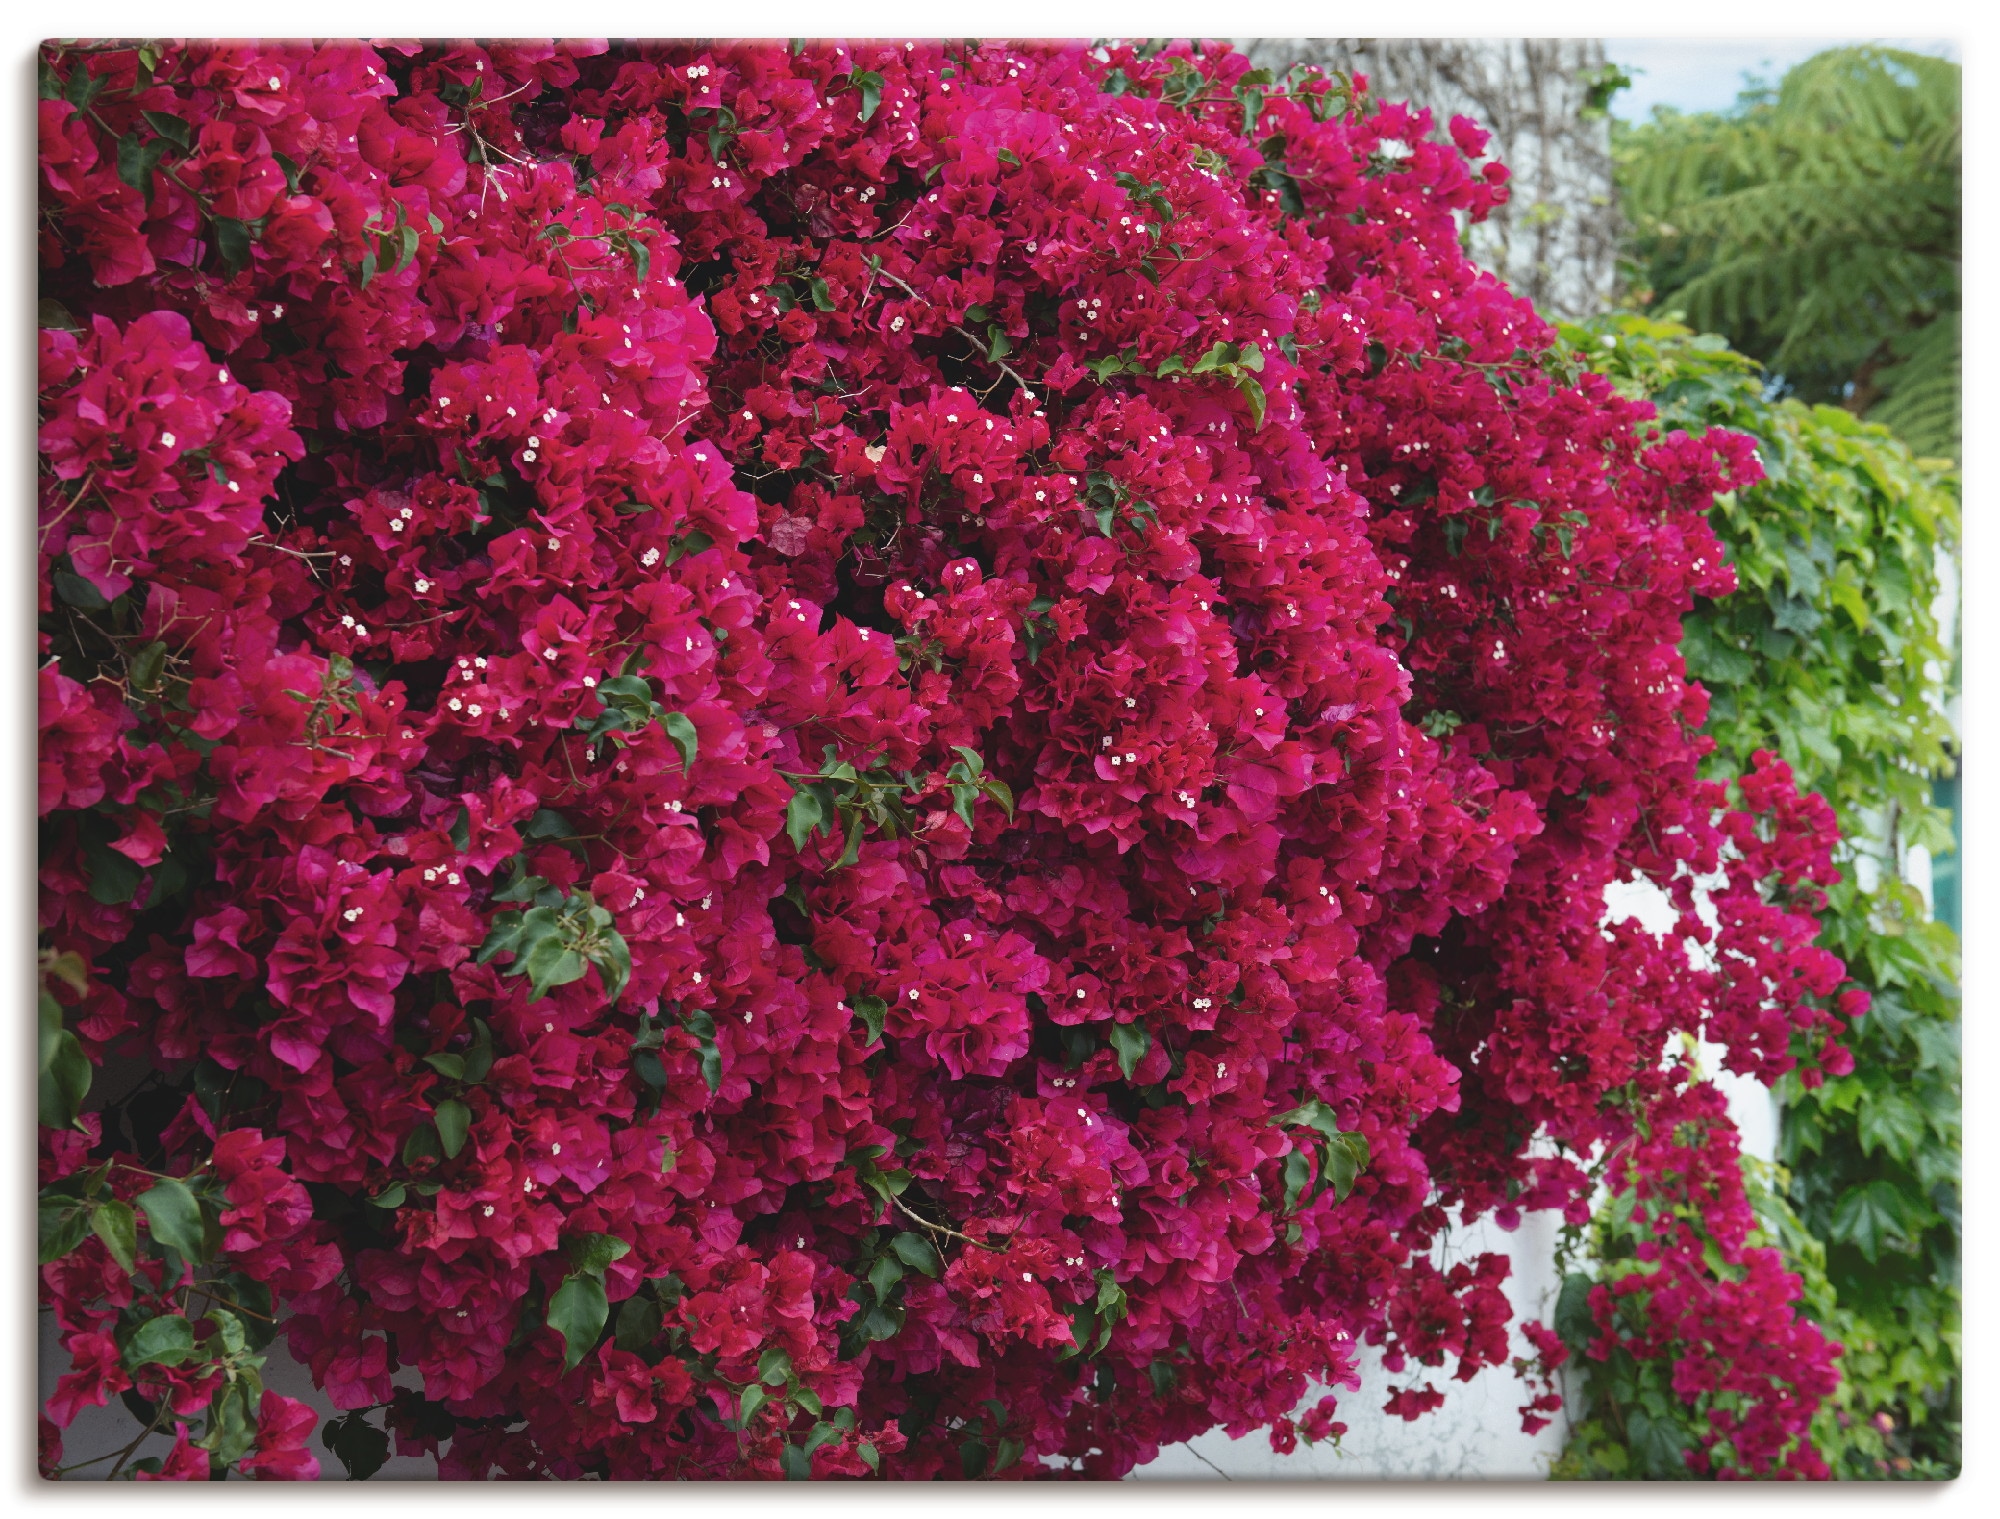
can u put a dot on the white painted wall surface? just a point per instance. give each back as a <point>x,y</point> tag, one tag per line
<point>1475,1435</point>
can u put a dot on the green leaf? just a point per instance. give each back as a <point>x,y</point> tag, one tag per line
<point>1297,1171</point>
<point>115,1223</point>
<point>884,1274</point>
<point>577,1312</point>
<point>680,730</point>
<point>114,879</point>
<point>447,1065</point>
<point>701,1024</point>
<point>1311,1113</point>
<point>1131,1041</point>
<point>73,589</point>
<point>171,127</point>
<point>232,241</point>
<point>590,1254</point>
<point>918,1253</point>
<point>1573,1318</point>
<point>54,314</point>
<point>63,1080</point>
<point>873,1012</point>
<point>165,1341</point>
<point>62,1223</point>
<point>1873,1218</point>
<point>361,1448</point>
<point>174,1218</point>
<point>479,1058</point>
<point>1254,394</point>
<point>870,85</point>
<point>803,816</point>
<point>83,86</point>
<point>1346,1157</point>
<point>454,1120</point>
<point>748,1402</point>
<point>148,665</point>
<point>639,1320</point>
<point>137,161</point>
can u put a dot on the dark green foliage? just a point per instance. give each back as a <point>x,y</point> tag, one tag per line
<point>1830,653</point>
<point>1818,226</point>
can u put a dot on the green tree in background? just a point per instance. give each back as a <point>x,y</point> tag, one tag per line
<point>1818,226</point>
<point>1829,652</point>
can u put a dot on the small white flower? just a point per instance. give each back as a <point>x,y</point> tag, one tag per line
<point>455,704</point>
<point>1131,759</point>
<point>473,710</point>
<point>166,440</point>
<point>351,914</point>
<point>430,875</point>
<point>1131,701</point>
<point>590,681</point>
<point>487,1211</point>
<point>395,524</point>
<point>347,621</point>
<point>451,878</point>
<point>555,1149</point>
<point>554,544</point>
<point>528,456</point>
<point>361,630</point>
<point>913,994</point>
<point>673,806</point>
<point>1080,994</point>
<point>423,586</point>
<point>650,558</point>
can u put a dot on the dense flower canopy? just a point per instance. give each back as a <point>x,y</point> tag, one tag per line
<point>892,757</point>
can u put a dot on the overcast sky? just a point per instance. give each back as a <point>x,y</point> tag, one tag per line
<point>1704,73</point>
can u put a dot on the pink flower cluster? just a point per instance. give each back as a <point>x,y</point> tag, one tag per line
<point>544,478</point>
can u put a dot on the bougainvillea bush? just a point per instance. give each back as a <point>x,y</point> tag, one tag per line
<point>839,760</point>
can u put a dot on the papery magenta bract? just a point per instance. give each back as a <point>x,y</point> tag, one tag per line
<point>864,402</point>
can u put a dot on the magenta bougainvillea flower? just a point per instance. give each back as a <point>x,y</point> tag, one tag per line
<point>829,760</point>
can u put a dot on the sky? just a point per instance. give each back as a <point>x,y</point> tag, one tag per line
<point>1704,73</point>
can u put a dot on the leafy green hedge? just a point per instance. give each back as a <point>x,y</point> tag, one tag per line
<point>1829,653</point>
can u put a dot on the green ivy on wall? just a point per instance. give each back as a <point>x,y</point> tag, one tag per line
<point>1829,653</point>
